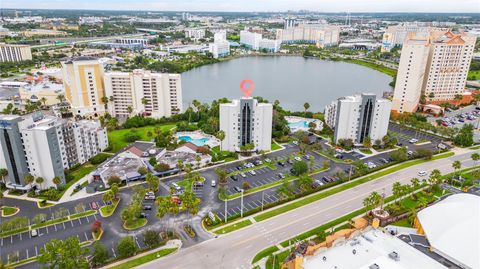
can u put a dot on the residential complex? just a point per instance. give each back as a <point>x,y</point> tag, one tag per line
<point>435,66</point>
<point>44,146</point>
<point>83,83</point>
<point>143,92</point>
<point>321,35</point>
<point>195,34</point>
<point>396,35</point>
<point>246,121</point>
<point>357,117</point>
<point>255,41</point>
<point>15,53</point>
<point>220,46</point>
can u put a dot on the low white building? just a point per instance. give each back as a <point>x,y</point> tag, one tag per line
<point>359,116</point>
<point>250,40</point>
<point>271,45</point>
<point>246,121</point>
<point>195,34</point>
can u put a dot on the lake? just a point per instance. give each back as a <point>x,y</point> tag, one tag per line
<point>293,80</point>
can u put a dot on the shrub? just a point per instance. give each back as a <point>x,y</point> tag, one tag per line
<point>98,159</point>
<point>131,137</point>
<point>126,247</point>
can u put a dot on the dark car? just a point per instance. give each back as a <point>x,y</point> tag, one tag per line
<point>237,189</point>
<point>290,161</point>
<point>143,215</point>
<point>280,175</point>
<point>399,144</point>
<point>281,163</point>
<point>147,207</point>
<point>383,160</point>
<point>234,177</point>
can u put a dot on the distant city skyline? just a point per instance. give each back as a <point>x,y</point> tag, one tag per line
<point>436,6</point>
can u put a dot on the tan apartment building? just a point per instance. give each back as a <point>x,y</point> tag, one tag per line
<point>84,87</point>
<point>14,53</point>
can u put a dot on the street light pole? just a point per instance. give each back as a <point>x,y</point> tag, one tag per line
<point>241,207</point>
<point>263,193</point>
<point>225,210</point>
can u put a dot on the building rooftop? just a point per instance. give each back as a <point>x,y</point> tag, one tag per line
<point>370,248</point>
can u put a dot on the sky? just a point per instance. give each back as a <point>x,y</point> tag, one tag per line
<point>447,6</point>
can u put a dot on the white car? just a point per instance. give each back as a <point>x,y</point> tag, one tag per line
<point>297,159</point>
<point>214,183</point>
<point>422,173</point>
<point>253,173</point>
<point>413,141</point>
<point>34,233</point>
<point>243,175</point>
<point>295,142</point>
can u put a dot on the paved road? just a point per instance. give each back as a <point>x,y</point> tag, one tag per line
<point>235,250</point>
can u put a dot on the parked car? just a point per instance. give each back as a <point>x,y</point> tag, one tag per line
<point>281,163</point>
<point>290,161</point>
<point>383,160</point>
<point>237,189</point>
<point>267,160</point>
<point>149,197</point>
<point>147,207</point>
<point>253,173</point>
<point>422,173</point>
<point>258,162</point>
<point>297,159</point>
<point>280,175</point>
<point>441,146</point>
<point>295,142</point>
<point>239,167</point>
<point>308,157</point>
<point>143,215</point>
<point>234,177</point>
<point>413,141</point>
<point>34,232</point>
<point>243,175</point>
<point>214,183</point>
<point>176,186</point>
<point>409,153</point>
<point>338,156</point>
<point>317,183</point>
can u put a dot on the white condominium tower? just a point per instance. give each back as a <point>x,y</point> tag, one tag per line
<point>246,121</point>
<point>359,116</point>
<point>220,46</point>
<point>143,92</point>
<point>436,67</point>
<point>83,83</point>
<point>14,53</point>
<point>396,35</point>
<point>44,146</point>
<point>250,40</point>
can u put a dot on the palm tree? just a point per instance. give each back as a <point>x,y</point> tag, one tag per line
<point>3,174</point>
<point>28,179</point>
<point>114,189</point>
<point>372,201</point>
<point>108,196</point>
<point>456,166</point>
<point>222,176</point>
<point>397,190</point>
<point>415,183</point>
<point>61,98</point>
<point>475,158</point>
<point>104,100</point>
<point>220,135</point>
<point>306,106</point>
<point>435,178</point>
<point>129,110</point>
<point>180,165</point>
<point>39,181</point>
<point>57,181</point>
<point>197,160</point>
<point>44,101</point>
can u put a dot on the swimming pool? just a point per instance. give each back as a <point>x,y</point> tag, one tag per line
<point>298,124</point>
<point>199,141</point>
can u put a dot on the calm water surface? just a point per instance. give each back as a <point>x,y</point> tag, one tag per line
<point>291,80</point>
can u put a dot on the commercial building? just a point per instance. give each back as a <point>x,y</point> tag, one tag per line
<point>451,226</point>
<point>15,53</point>
<point>435,66</point>
<point>83,83</point>
<point>396,35</point>
<point>44,146</point>
<point>246,121</point>
<point>319,34</point>
<point>220,46</point>
<point>143,92</point>
<point>359,116</point>
<point>195,34</point>
<point>250,40</point>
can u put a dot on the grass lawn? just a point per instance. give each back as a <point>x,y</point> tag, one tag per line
<point>402,223</point>
<point>8,211</point>
<point>264,253</point>
<point>366,151</point>
<point>233,227</point>
<point>140,222</point>
<point>147,258</point>
<point>473,75</point>
<point>279,259</point>
<point>116,137</point>
<point>187,183</point>
<point>107,210</point>
<point>389,71</point>
<point>275,146</point>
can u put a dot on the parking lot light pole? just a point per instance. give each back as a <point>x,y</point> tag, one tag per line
<point>226,211</point>
<point>263,193</point>
<point>241,206</point>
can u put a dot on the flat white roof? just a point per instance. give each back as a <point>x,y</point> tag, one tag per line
<point>372,247</point>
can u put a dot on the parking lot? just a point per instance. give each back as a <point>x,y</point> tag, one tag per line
<point>458,118</point>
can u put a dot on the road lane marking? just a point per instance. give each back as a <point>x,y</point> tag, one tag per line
<point>86,237</point>
<point>27,252</point>
<point>36,251</point>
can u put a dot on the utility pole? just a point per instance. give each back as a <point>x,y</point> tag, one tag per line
<point>241,206</point>
<point>350,172</point>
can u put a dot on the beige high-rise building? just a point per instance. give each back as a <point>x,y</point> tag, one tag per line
<point>83,83</point>
<point>15,53</point>
<point>435,66</point>
<point>143,92</point>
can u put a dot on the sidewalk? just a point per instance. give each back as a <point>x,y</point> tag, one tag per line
<point>176,243</point>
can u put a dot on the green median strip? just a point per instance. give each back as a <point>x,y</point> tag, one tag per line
<point>147,258</point>
<point>310,199</point>
<point>264,253</point>
<point>233,227</point>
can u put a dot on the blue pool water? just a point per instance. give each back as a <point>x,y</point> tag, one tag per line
<point>199,142</point>
<point>298,124</point>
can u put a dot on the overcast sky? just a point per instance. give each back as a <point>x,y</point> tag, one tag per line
<point>255,5</point>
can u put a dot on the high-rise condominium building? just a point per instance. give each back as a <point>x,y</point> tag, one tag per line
<point>83,83</point>
<point>246,121</point>
<point>396,35</point>
<point>436,67</point>
<point>143,92</point>
<point>15,53</point>
<point>44,146</point>
<point>220,46</point>
<point>359,116</point>
<point>321,35</point>
<point>250,39</point>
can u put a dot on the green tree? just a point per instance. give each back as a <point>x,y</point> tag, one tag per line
<point>456,165</point>
<point>126,247</point>
<point>304,182</point>
<point>151,238</point>
<point>372,201</point>
<point>464,137</point>
<point>397,189</point>
<point>66,254</point>
<point>300,167</point>
<point>3,174</point>
<point>475,158</point>
<point>152,182</point>
<point>142,170</point>
<point>222,176</point>
<point>39,181</point>
<point>367,142</point>
<point>108,196</point>
<point>57,181</point>
<point>435,178</point>
<point>28,178</point>
<point>100,254</point>
<point>220,135</point>
<point>114,189</point>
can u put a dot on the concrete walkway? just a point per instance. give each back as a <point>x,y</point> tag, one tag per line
<point>170,244</point>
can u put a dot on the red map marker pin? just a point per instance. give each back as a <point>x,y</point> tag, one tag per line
<point>246,92</point>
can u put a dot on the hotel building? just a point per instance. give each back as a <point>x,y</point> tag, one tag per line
<point>143,92</point>
<point>220,46</point>
<point>396,35</point>
<point>44,146</point>
<point>436,67</point>
<point>83,83</point>
<point>15,53</point>
<point>246,121</point>
<point>321,35</point>
<point>359,116</point>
